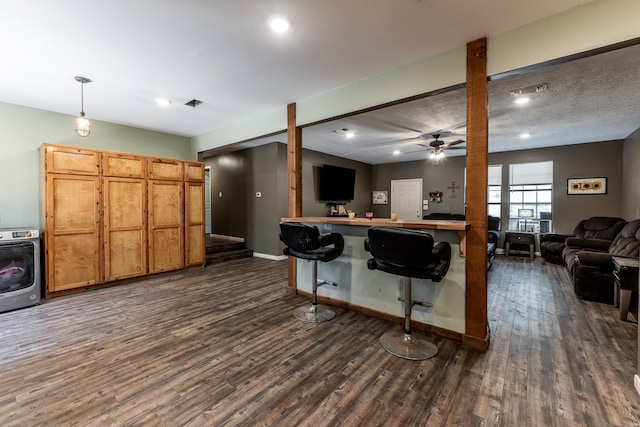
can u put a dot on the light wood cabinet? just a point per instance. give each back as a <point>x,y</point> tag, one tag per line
<point>195,245</point>
<point>165,169</point>
<point>125,228</point>
<point>72,203</point>
<point>125,215</point>
<point>111,216</point>
<point>124,165</point>
<point>166,211</point>
<point>70,160</point>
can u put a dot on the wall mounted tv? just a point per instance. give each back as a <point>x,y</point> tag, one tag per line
<point>336,184</point>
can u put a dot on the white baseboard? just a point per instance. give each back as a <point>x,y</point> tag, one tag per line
<point>636,382</point>
<point>222,236</point>
<point>271,257</point>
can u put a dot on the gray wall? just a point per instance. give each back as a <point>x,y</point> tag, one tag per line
<point>312,161</point>
<point>241,174</point>
<point>573,161</point>
<point>631,177</point>
<point>434,178</point>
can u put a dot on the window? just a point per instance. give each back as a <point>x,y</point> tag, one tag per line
<point>530,187</point>
<point>494,195</point>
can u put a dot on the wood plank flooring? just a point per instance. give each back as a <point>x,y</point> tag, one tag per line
<point>220,347</point>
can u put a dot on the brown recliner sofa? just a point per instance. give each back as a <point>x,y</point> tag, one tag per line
<point>553,245</point>
<point>593,269</point>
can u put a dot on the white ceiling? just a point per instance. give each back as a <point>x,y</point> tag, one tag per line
<point>591,99</point>
<point>222,53</point>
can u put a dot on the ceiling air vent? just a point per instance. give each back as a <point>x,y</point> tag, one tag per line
<point>193,103</point>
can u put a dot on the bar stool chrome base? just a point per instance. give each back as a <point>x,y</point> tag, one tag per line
<point>314,313</point>
<point>407,346</point>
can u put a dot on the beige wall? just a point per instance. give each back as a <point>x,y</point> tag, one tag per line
<point>24,129</point>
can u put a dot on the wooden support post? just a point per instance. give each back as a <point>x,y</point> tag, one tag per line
<point>294,174</point>
<point>476,323</point>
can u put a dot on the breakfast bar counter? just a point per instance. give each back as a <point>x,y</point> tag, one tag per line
<point>375,292</point>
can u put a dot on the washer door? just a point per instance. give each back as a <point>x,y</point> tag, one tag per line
<point>16,266</point>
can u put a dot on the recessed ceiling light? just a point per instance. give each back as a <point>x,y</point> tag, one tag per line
<point>279,23</point>
<point>525,135</point>
<point>346,132</point>
<point>396,152</point>
<point>163,102</point>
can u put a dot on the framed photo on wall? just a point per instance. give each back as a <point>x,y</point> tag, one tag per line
<point>587,185</point>
<point>380,197</point>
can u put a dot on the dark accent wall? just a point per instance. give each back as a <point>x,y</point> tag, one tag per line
<point>312,161</point>
<point>571,161</point>
<point>434,178</point>
<point>241,174</point>
<point>631,177</point>
<point>228,193</point>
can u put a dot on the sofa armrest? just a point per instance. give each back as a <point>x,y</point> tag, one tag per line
<point>594,259</point>
<point>493,236</point>
<point>553,237</point>
<point>593,244</point>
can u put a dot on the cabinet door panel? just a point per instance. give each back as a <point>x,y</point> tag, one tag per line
<point>75,262</point>
<point>69,160</point>
<point>195,224</point>
<point>165,169</point>
<point>165,225</point>
<point>194,172</point>
<point>73,231</point>
<point>123,165</point>
<point>125,228</point>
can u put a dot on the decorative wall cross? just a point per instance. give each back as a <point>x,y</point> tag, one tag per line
<point>453,188</point>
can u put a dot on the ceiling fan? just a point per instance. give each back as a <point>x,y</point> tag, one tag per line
<point>438,146</point>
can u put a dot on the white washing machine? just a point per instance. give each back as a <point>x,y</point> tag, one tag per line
<point>20,284</point>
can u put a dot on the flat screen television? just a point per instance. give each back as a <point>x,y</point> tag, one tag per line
<point>336,184</point>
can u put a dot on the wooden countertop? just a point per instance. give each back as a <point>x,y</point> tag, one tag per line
<point>385,222</point>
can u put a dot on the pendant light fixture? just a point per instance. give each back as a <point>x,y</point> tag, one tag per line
<point>83,125</point>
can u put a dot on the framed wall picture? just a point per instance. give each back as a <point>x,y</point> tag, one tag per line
<point>380,197</point>
<point>587,185</point>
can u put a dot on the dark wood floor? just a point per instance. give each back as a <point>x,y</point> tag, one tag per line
<point>219,346</point>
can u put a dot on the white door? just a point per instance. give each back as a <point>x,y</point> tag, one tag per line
<point>406,198</point>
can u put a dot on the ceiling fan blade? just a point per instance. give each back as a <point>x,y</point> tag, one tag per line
<point>452,143</point>
<point>395,141</point>
<point>454,148</point>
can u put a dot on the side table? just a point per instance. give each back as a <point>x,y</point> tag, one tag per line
<point>520,238</point>
<point>625,275</point>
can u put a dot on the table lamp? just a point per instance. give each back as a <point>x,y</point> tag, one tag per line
<point>525,213</point>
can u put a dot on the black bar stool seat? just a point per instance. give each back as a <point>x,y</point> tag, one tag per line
<point>412,254</point>
<point>305,242</point>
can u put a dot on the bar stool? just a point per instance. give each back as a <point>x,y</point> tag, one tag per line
<point>409,253</point>
<point>305,242</point>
